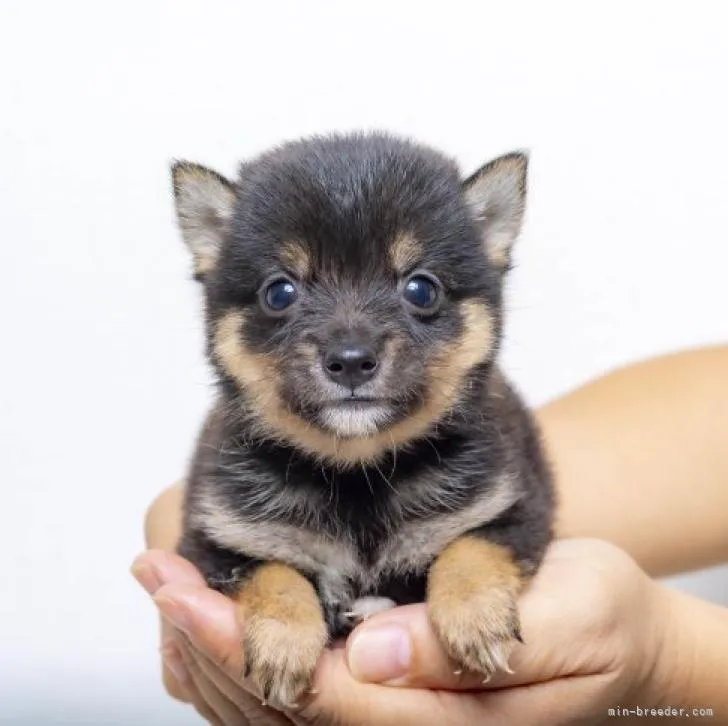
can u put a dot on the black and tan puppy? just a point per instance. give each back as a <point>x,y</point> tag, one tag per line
<point>364,450</point>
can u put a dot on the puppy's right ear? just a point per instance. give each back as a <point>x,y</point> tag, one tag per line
<point>205,201</point>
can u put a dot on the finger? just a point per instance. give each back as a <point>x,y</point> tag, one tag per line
<point>583,698</point>
<point>182,685</point>
<point>209,620</point>
<point>152,569</point>
<point>247,702</point>
<point>213,646</point>
<point>400,648</point>
<point>339,698</point>
<point>211,703</point>
<point>155,568</point>
<point>175,677</point>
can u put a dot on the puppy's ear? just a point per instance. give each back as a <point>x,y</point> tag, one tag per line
<point>204,201</point>
<point>496,194</point>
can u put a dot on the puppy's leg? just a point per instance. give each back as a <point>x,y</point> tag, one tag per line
<point>284,632</point>
<point>471,598</point>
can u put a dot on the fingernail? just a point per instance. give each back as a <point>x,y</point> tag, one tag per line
<point>380,653</point>
<point>174,613</point>
<point>146,576</point>
<point>173,661</point>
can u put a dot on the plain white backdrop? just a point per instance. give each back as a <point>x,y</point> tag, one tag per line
<point>625,252</point>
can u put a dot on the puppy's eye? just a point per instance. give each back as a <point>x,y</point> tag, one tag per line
<point>279,295</point>
<point>421,292</point>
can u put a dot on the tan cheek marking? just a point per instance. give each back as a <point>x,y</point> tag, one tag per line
<point>257,375</point>
<point>449,370</point>
<point>477,339</point>
<point>404,253</point>
<point>247,367</point>
<point>254,371</point>
<point>296,257</point>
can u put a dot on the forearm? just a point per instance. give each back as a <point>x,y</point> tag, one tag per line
<point>691,670</point>
<point>641,459</point>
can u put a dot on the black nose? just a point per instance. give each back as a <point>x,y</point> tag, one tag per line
<point>350,364</point>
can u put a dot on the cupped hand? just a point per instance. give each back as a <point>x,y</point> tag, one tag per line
<point>594,628</point>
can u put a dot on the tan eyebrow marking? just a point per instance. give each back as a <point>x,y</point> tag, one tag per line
<point>405,252</point>
<point>296,257</point>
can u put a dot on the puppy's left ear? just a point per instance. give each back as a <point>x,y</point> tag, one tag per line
<point>205,201</point>
<point>496,194</point>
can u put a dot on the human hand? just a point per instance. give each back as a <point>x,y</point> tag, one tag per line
<point>594,628</point>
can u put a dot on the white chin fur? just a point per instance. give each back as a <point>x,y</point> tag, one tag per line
<point>359,421</point>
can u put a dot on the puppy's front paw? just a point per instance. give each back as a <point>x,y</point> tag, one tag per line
<point>281,657</point>
<point>471,599</point>
<point>285,633</point>
<point>479,632</point>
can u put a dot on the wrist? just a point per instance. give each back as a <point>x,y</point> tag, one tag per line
<point>666,664</point>
<point>688,653</point>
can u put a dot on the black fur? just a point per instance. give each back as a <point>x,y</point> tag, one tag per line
<point>345,199</point>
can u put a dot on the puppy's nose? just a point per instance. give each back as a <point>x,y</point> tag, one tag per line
<point>350,364</point>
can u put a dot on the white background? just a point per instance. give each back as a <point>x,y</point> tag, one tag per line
<point>624,255</point>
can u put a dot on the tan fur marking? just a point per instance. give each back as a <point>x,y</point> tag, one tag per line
<point>257,374</point>
<point>416,542</point>
<point>296,258</point>
<point>203,265</point>
<point>471,598</point>
<point>302,548</point>
<point>499,255</point>
<point>285,632</point>
<point>404,253</point>
<point>248,368</point>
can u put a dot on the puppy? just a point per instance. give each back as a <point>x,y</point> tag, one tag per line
<point>364,449</point>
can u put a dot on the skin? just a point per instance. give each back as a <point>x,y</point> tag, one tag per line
<point>644,445</point>
<point>639,446</point>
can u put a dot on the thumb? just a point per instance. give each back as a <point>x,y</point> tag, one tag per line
<point>399,648</point>
<point>565,615</point>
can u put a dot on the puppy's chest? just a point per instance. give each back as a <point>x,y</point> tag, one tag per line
<point>344,560</point>
<point>380,545</point>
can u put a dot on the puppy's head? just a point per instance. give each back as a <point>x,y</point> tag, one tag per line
<point>352,284</point>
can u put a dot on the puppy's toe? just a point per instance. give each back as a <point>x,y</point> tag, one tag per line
<point>480,632</point>
<point>280,658</point>
<point>285,633</point>
<point>471,597</point>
